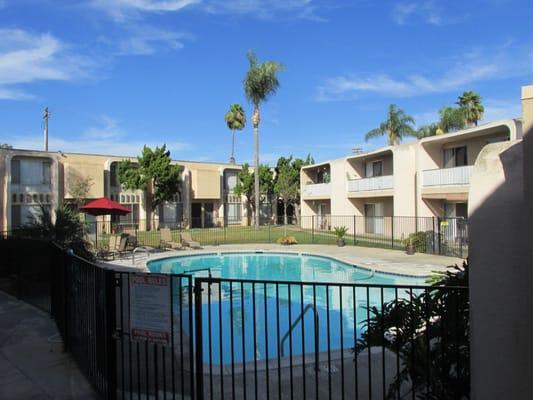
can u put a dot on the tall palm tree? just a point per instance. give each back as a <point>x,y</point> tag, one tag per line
<point>260,83</point>
<point>235,119</point>
<point>397,125</point>
<point>470,102</point>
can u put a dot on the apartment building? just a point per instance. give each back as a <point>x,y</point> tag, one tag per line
<point>30,179</point>
<point>424,178</point>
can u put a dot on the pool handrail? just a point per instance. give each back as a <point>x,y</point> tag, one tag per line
<point>293,326</point>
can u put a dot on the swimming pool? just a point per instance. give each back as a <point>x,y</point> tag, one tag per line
<point>247,317</point>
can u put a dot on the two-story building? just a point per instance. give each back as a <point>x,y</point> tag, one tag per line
<point>420,180</point>
<point>30,179</point>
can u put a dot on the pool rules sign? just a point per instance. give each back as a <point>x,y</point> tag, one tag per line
<point>150,312</point>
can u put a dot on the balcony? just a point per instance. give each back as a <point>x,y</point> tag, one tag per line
<point>317,190</point>
<point>456,176</point>
<point>370,184</point>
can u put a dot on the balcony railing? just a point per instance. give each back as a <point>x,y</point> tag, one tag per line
<point>317,189</point>
<point>447,176</point>
<point>368,184</point>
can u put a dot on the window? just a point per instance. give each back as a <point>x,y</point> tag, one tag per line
<point>374,168</point>
<point>113,175</point>
<point>455,157</point>
<point>46,171</point>
<point>15,172</point>
<point>323,176</point>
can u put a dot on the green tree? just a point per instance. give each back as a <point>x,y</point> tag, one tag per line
<point>451,119</point>
<point>79,188</point>
<point>235,119</point>
<point>473,110</point>
<point>287,183</point>
<point>397,125</point>
<point>245,187</point>
<point>260,83</point>
<point>153,173</point>
<point>66,229</point>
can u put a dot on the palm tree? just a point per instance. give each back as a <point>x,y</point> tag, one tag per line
<point>235,119</point>
<point>470,102</point>
<point>452,119</point>
<point>397,125</point>
<point>260,83</point>
<point>427,131</point>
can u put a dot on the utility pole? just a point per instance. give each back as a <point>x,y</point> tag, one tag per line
<point>45,118</point>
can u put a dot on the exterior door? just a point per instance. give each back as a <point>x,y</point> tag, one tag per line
<point>196,215</point>
<point>374,218</point>
<point>208,215</point>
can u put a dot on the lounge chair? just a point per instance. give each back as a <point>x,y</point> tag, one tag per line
<point>166,240</point>
<point>186,240</point>
<point>118,245</point>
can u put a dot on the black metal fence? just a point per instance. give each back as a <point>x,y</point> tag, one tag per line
<point>444,236</point>
<point>239,338</point>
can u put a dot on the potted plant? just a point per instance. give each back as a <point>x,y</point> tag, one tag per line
<point>340,231</point>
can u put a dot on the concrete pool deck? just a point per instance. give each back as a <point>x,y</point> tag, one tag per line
<point>382,260</point>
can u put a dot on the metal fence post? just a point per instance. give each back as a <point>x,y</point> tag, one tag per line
<point>199,370</point>
<point>354,239</point>
<point>438,236</point>
<point>224,228</point>
<point>312,229</point>
<point>110,347</point>
<point>392,231</point>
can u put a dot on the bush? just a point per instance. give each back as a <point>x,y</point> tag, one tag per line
<point>429,331</point>
<point>67,230</point>
<point>340,231</point>
<point>418,239</point>
<point>287,240</point>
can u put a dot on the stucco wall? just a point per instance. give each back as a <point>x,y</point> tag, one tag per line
<point>404,180</point>
<point>501,275</point>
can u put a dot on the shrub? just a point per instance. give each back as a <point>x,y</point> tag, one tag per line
<point>67,230</point>
<point>418,239</point>
<point>287,240</point>
<point>340,231</point>
<point>430,333</point>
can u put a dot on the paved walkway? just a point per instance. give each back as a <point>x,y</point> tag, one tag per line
<point>32,362</point>
<point>392,261</point>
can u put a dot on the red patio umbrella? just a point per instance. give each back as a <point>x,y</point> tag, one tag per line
<point>104,206</point>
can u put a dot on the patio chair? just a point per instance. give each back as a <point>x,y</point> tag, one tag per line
<point>186,239</point>
<point>166,240</point>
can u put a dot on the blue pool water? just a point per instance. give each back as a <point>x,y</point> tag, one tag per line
<point>241,320</point>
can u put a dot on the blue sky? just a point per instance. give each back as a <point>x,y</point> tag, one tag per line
<point>117,74</point>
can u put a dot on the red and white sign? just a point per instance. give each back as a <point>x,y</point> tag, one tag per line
<point>150,311</point>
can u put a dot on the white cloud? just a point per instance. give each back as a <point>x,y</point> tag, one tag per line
<point>111,146</point>
<point>126,10</point>
<point>145,40</point>
<point>505,62</point>
<point>122,10</point>
<point>26,57</point>
<point>262,8</point>
<point>107,137</point>
<point>426,11</point>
